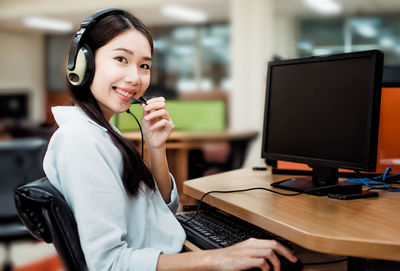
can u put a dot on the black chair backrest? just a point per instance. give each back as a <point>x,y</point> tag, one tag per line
<point>48,217</point>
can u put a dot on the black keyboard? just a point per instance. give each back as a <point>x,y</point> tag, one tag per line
<point>214,229</point>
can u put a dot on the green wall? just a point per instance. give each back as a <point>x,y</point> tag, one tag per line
<point>187,115</point>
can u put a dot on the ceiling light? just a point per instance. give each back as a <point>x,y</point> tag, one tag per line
<point>386,42</point>
<point>48,24</point>
<point>368,31</point>
<point>325,6</point>
<point>184,13</point>
<point>366,27</point>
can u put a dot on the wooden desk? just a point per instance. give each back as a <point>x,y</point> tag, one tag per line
<point>180,143</point>
<point>365,228</point>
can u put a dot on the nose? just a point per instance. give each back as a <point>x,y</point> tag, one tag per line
<point>132,76</point>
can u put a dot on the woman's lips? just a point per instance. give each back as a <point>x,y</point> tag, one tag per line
<point>125,93</point>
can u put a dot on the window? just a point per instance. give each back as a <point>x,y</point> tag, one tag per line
<point>191,58</point>
<point>351,34</point>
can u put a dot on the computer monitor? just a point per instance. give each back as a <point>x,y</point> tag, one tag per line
<point>14,106</point>
<point>21,162</point>
<point>323,111</point>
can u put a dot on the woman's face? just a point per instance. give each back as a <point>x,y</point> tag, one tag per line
<point>122,72</point>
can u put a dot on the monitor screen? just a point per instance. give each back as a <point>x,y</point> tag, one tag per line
<point>21,162</point>
<point>324,112</point>
<point>14,106</point>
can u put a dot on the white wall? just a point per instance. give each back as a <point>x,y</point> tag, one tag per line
<point>252,47</point>
<point>22,68</point>
<point>286,30</point>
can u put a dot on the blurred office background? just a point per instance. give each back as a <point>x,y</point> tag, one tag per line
<point>204,50</point>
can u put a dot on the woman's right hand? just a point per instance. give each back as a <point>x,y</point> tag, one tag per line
<point>251,253</point>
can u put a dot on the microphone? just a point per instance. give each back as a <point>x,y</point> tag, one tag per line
<point>141,100</point>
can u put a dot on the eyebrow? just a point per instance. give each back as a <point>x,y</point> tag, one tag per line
<point>131,53</point>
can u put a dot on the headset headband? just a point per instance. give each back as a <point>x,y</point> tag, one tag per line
<point>85,25</point>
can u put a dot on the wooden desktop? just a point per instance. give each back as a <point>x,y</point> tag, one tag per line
<point>362,228</point>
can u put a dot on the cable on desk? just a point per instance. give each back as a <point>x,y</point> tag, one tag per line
<point>382,182</point>
<point>254,188</point>
<point>328,262</point>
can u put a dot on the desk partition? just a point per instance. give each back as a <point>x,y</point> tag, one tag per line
<point>187,115</point>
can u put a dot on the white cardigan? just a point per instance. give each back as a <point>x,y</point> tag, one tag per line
<point>117,231</point>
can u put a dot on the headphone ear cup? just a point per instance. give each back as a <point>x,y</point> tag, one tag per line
<point>83,72</point>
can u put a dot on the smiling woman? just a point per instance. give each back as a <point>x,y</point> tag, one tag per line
<point>124,208</point>
<point>97,47</point>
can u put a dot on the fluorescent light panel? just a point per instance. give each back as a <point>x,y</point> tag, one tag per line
<point>368,31</point>
<point>184,13</point>
<point>48,24</point>
<point>366,27</point>
<point>386,42</point>
<point>325,6</point>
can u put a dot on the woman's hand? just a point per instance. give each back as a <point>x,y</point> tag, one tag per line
<point>251,253</point>
<point>156,123</point>
<point>248,254</point>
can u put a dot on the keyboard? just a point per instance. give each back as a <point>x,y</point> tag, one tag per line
<point>214,229</point>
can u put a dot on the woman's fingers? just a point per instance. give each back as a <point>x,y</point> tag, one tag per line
<point>156,114</point>
<point>254,253</point>
<point>159,124</point>
<point>162,113</point>
<point>274,260</point>
<point>155,109</point>
<point>158,119</point>
<point>154,104</point>
<point>262,245</point>
<point>284,251</point>
<point>156,122</point>
<point>260,263</point>
<point>156,99</point>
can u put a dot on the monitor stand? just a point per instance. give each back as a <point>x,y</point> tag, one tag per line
<point>325,179</point>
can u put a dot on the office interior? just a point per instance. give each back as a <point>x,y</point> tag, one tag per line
<point>211,65</point>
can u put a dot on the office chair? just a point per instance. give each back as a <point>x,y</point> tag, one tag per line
<point>48,217</point>
<point>216,157</point>
<point>20,162</point>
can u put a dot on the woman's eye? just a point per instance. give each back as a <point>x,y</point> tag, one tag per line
<point>145,66</point>
<point>121,59</point>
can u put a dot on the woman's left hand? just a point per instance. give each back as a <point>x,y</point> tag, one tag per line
<point>156,123</point>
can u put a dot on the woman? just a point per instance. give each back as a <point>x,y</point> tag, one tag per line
<point>124,209</point>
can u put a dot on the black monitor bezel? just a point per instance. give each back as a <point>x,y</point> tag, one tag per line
<point>374,92</point>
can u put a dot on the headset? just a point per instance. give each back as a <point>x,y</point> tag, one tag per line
<point>80,65</point>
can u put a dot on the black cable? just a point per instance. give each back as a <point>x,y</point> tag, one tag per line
<point>140,128</point>
<point>328,262</point>
<point>255,188</point>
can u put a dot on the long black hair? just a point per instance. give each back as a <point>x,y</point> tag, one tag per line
<point>135,170</point>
